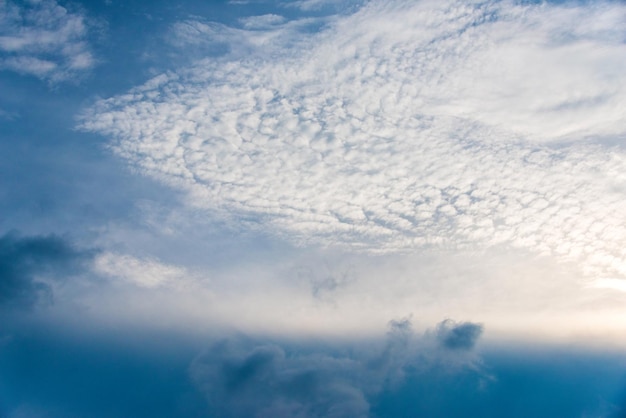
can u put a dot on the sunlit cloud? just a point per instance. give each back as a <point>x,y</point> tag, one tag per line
<point>402,126</point>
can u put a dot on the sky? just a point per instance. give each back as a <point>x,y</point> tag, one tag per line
<point>312,208</point>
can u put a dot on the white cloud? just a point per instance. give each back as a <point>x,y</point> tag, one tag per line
<point>262,21</point>
<point>403,126</point>
<point>146,273</point>
<point>316,5</point>
<point>42,38</point>
<point>256,36</point>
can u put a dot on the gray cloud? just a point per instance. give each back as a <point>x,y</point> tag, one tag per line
<point>458,335</point>
<point>27,264</point>
<point>43,39</point>
<point>241,377</point>
<point>263,380</point>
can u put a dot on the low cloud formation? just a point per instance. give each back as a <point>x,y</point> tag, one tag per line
<point>242,377</point>
<point>405,125</point>
<point>43,39</point>
<point>30,265</point>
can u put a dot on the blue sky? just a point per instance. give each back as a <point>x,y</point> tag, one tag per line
<point>312,208</point>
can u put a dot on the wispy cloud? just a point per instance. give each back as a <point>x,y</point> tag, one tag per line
<point>254,37</point>
<point>404,125</point>
<point>44,39</point>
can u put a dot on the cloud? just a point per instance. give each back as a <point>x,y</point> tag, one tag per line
<point>254,36</point>
<point>264,381</point>
<point>458,336</point>
<point>402,126</point>
<point>262,21</point>
<point>318,5</point>
<point>146,273</point>
<point>27,264</point>
<point>242,377</point>
<point>43,39</point>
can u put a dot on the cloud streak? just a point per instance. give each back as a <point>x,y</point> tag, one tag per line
<point>28,263</point>
<point>144,273</point>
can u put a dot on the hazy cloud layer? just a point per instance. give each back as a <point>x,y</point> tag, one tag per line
<point>255,36</point>
<point>402,126</point>
<point>44,39</point>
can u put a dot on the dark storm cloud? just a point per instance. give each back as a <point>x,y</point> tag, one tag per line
<point>23,260</point>
<point>458,335</point>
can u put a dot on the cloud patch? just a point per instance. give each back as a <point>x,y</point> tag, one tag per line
<point>43,39</point>
<point>142,272</point>
<point>404,125</point>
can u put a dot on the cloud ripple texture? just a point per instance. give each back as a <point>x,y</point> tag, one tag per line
<point>403,125</point>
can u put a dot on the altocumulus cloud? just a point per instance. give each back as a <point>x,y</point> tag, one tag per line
<point>44,39</point>
<point>457,125</point>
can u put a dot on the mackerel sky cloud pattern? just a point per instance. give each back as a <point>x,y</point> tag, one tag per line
<point>403,126</point>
